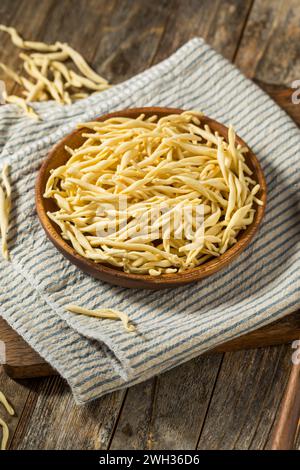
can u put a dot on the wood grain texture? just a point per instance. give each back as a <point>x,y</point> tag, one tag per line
<point>269,50</point>
<point>99,29</point>
<point>219,22</point>
<point>52,421</point>
<point>131,38</point>
<point>246,398</point>
<point>168,410</point>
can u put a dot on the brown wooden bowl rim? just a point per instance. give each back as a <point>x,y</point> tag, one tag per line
<point>116,276</point>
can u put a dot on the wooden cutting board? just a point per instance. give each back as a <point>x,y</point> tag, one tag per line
<point>21,361</point>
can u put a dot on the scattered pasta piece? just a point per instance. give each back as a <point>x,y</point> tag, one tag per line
<point>161,168</point>
<point>10,73</point>
<point>5,434</point>
<point>49,78</point>
<point>6,405</point>
<point>103,313</point>
<point>19,42</point>
<point>5,206</point>
<point>5,430</point>
<point>13,99</point>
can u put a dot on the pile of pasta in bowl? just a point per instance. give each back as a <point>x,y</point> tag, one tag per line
<point>122,196</point>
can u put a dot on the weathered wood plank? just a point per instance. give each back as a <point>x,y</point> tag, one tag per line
<point>51,420</point>
<point>219,22</point>
<point>131,38</point>
<point>246,398</point>
<point>168,411</point>
<point>132,430</point>
<point>269,50</point>
<point>7,10</point>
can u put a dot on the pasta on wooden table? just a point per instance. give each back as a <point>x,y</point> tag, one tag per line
<point>49,76</point>
<point>174,162</point>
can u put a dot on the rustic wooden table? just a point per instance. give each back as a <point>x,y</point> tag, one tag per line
<point>217,401</point>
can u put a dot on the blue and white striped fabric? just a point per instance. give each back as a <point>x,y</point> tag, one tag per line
<point>262,285</point>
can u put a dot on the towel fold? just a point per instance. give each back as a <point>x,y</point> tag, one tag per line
<point>260,286</point>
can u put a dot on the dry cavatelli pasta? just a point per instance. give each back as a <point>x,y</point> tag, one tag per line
<point>104,313</point>
<point>153,196</point>
<point>48,74</point>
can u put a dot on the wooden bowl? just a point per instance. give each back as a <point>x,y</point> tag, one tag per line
<point>58,156</point>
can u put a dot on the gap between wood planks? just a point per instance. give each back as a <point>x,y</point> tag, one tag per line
<point>242,31</point>
<point>210,400</point>
<point>118,419</point>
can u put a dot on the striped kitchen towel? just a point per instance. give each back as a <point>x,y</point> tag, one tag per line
<point>260,286</point>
